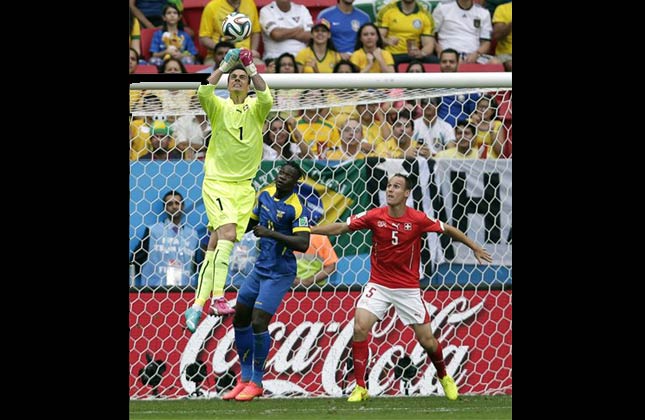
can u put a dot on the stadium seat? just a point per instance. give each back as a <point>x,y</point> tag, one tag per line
<point>193,15</point>
<point>505,106</point>
<point>146,41</point>
<point>320,4</point>
<point>474,67</point>
<point>464,68</point>
<point>195,4</point>
<point>508,146</point>
<point>146,69</point>
<point>429,68</point>
<point>505,114</point>
<point>194,68</point>
<point>369,6</point>
<point>366,6</point>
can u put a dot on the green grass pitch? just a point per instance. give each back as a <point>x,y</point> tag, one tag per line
<point>376,408</point>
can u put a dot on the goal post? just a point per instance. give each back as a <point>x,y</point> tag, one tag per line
<point>349,133</point>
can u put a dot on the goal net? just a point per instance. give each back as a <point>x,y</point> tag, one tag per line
<point>451,133</point>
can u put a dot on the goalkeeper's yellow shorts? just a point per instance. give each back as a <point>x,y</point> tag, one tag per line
<point>228,202</point>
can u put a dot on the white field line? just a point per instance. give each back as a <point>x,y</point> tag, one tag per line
<point>219,411</point>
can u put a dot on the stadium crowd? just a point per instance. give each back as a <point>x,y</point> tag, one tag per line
<point>288,37</point>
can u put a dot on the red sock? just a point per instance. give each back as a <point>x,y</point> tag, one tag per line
<point>359,355</point>
<point>437,360</point>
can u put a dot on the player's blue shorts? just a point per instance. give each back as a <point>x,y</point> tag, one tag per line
<point>264,292</point>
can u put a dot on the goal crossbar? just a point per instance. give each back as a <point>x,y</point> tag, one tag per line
<point>359,81</point>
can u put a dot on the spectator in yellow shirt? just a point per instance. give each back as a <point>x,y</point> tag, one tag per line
<point>466,149</point>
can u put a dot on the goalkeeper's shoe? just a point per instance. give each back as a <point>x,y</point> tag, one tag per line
<point>192,319</point>
<point>250,391</point>
<point>235,391</point>
<point>358,394</point>
<point>219,306</point>
<point>449,387</point>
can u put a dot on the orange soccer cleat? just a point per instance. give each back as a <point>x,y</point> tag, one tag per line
<point>251,391</point>
<point>235,391</point>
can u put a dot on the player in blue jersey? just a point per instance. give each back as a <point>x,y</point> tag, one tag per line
<point>278,220</point>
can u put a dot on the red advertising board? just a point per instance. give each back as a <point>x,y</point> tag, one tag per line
<point>311,350</point>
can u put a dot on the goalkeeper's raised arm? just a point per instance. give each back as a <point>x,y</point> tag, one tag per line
<point>231,59</point>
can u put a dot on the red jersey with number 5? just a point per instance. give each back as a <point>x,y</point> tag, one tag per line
<point>396,244</point>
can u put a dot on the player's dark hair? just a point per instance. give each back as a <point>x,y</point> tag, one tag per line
<point>408,183</point>
<point>295,166</point>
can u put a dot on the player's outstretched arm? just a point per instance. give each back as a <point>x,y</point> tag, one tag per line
<point>246,58</point>
<point>330,229</point>
<point>459,236</point>
<point>230,60</point>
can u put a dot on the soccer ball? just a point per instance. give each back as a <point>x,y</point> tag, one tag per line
<point>236,26</point>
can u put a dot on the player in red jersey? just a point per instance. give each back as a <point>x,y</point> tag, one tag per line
<point>394,276</point>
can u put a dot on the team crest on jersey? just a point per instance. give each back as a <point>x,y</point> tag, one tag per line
<point>477,23</point>
<point>245,107</point>
<point>407,226</point>
<point>356,25</point>
<point>381,223</point>
<point>416,23</point>
<point>302,222</point>
<point>279,214</point>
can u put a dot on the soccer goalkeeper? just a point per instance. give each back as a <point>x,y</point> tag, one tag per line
<point>232,160</point>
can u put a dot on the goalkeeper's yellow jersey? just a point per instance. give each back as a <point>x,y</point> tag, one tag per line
<point>235,149</point>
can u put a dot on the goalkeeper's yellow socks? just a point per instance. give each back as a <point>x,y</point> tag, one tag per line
<point>205,284</point>
<point>220,268</point>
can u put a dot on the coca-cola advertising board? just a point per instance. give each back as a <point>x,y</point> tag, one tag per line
<point>311,346</point>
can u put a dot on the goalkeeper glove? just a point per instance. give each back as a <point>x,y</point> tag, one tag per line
<point>230,60</point>
<point>246,58</point>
